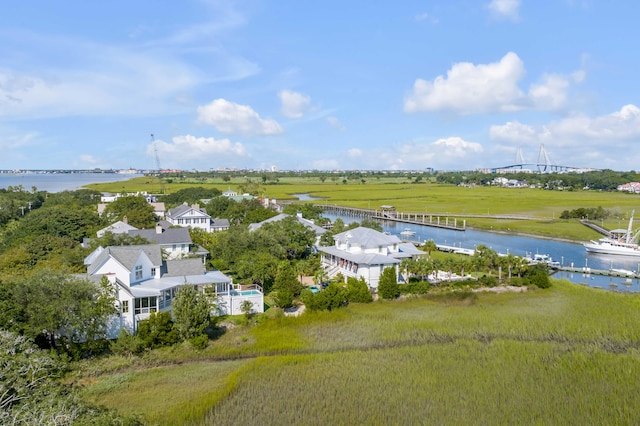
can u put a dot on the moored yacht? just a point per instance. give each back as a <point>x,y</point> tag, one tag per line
<point>619,242</point>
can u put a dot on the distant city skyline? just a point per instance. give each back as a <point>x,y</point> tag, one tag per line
<point>257,84</point>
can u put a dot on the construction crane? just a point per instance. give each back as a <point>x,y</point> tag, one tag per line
<point>155,148</point>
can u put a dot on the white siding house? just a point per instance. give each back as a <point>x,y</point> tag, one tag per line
<point>146,283</point>
<point>364,252</point>
<point>190,217</point>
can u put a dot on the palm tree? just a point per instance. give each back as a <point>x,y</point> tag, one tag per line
<point>430,246</point>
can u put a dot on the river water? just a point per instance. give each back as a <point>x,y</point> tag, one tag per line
<point>56,182</point>
<point>568,254</point>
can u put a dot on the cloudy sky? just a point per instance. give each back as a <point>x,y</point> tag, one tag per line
<point>458,84</point>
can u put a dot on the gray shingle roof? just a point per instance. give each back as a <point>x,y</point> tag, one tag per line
<point>360,258</point>
<point>127,256</point>
<point>119,227</point>
<point>182,267</point>
<point>367,238</point>
<point>182,209</point>
<point>168,236</point>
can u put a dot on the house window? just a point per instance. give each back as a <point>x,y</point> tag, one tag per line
<point>184,247</point>
<point>173,248</point>
<point>125,306</point>
<point>138,272</point>
<point>144,305</point>
<point>153,272</point>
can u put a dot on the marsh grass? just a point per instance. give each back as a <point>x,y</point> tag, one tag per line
<point>543,208</point>
<point>567,355</point>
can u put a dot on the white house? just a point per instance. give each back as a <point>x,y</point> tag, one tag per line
<point>146,283</point>
<point>176,242</point>
<point>365,252</point>
<point>189,216</point>
<point>119,227</point>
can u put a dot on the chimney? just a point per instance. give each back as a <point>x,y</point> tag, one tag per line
<point>158,228</point>
<point>125,220</point>
<point>196,206</point>
<point>299,214</point>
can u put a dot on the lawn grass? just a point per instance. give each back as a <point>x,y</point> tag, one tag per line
<point>567,355</point>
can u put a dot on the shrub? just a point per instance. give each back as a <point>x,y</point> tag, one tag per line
<point>488,281</point>
<point>419,287</point>
<point>540,279</point>
<point>333,297</point>
<point>199,342</point>
<point>157,331</point>
<point>127,344</point>
<point>358,291</point>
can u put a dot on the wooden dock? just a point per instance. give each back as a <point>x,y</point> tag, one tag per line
<point>410,218</point>
<point>602,272</point>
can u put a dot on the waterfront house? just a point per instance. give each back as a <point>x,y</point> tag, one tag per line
<point>365,253</point>
<point>146,283</point>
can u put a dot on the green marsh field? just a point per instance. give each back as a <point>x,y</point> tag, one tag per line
<point>483,207</point>
<point>566,355</point>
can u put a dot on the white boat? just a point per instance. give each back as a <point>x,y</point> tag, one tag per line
<point>619,242</point>
<point>407,232</point>
<point>545,259</point>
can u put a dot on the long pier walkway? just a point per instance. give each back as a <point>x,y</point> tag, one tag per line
<point>620,273</point>
<point>393,215</point>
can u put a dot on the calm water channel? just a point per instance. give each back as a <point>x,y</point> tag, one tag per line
<point>56,182</point>
<point>565,253</point>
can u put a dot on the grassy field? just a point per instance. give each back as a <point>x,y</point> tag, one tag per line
<point>567,355</point>
<point>542,208</point>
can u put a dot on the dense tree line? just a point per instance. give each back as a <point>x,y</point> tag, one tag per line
<point>603,180</point>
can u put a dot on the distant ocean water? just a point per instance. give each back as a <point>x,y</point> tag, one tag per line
<point>57,182</point>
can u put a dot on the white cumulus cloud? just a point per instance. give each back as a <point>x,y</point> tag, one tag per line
<point>470,88</point>
<point>294,104</point>
<point>232,118</point>
<point>505,9</point>
<point>489,88</point>
<point>188,150</point>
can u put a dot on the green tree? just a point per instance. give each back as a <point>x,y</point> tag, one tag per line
<point>358,291</point>
<point>430,246</point>
<point>32,393</point>
<point>388,286</point>
<point>190,195</point>
<point>138,211</point>
<point>191,312</point>
<point>286,285</point>
<point>53,304</point>
<point>371,223</point>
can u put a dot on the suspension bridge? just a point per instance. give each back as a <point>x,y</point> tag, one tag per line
<point>543,164</point>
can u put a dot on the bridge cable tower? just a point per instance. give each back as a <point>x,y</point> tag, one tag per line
<point>544,164</point>
<point>519,157</point>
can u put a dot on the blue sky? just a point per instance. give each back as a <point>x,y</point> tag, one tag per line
<point>298,85</point>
